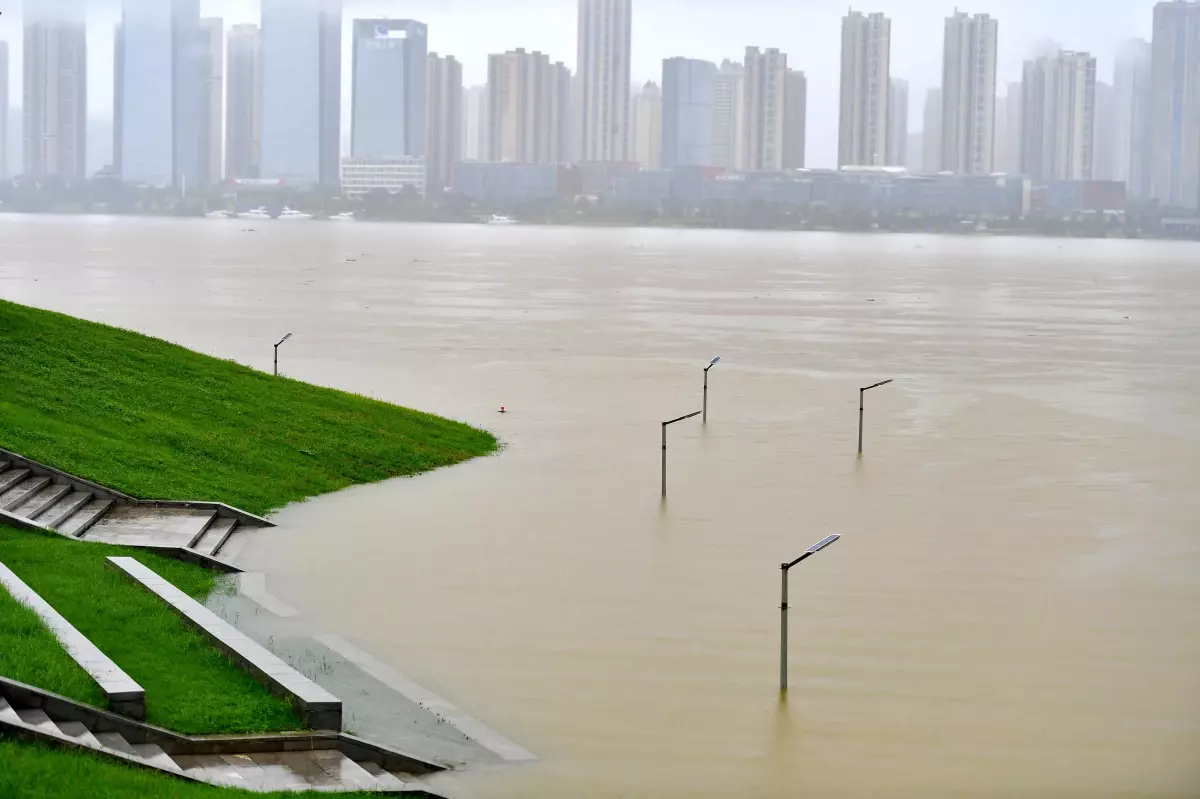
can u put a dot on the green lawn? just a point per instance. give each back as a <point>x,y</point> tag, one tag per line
<point>161,422</point>
<point>34,771</point>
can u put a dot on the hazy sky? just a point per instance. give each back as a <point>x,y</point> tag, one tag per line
<point>807,30</point>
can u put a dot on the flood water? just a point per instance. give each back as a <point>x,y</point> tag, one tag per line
<point>1013,608</point>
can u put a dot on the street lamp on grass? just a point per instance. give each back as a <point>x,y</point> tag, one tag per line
<point>783,607</point>
<point>285,338</point>
<point>705,409</point>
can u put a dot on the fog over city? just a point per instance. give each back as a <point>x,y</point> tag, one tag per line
<point>808,31</point>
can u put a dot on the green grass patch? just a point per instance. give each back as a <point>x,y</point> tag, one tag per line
<point>190,686</point>
<point>162,422</point>
<point>35,771</point>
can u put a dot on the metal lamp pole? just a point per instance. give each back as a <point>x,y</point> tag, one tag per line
<point>783,607</point>
<point>285,338</point>
<point>861,392</point>
<point>711,365</point>
<point>664,447</point>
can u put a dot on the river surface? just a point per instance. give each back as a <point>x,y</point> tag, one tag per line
<point>1013,608</point>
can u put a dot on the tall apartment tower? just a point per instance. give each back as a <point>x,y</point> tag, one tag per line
<point>931,137</point>
<point>969,94</point>
<point>475,123</point>
<point>897,149</point>
<point>1175,105</point>
<point>243,103</point>
<point>3,109</point>
<point>863,110</point>
<point>55,88</point>
<point>1104,129</point>
<point>764,108</point>
<point>1058,105</point>
<point>302,91</point>
<point>528,108</point>
<point>212,129</point>
<point>1007,146</point>
<point>604,46</point>
<point>647,124</point>
<point>1132,99</point>
<point>729,119</point>
<point>443,140</point>
<point>795,120</point>
<point>388,104</point>
<point>688,97</point>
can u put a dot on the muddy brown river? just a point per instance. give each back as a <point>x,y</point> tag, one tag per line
<point>1013,608</point>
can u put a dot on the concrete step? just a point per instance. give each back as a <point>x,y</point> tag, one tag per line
<point>36,717</point>
<point>384,780</point>
<point>81,734</point>
<point>10,477</point>
<point>201,524</point>
<point>66,506</point>
<point>7,713</point>
<point>22,491</point>
<point>37,504</point>
<point>344,770</point>
<point>115,741</point>
<point>216,536</point>
<point>82,520</point>
<point>3,466</point>
<point>154,755</point>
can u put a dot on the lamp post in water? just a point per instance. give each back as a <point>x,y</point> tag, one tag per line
<point>711,365</point>
<point>783,607</point>
<point>861,392</point>
<point>664,447</point>
<point>285,338</point>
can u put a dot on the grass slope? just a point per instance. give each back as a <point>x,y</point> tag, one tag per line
<point>161,422</point>
<point>35,771</point>
<point>190,686</point>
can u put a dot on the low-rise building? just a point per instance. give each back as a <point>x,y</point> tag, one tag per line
<point>390,173</point>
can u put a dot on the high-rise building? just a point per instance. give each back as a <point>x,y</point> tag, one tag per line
<point>1175,105</point>
<point>969,94</point>
<point>212,129</point>
<point>1132,98</point>
<point>161,105</point>
<point>302,91</point>
<point>387,115</point>
<point>528,106</point>
<point>55,88</point>
<point>1104,147</point>
<point>3,109</point>
<point>729,119</point>
<point>647,124</point>
<point>863,110</point>
<point>605,35</point>
<point>931,134</point>
<point>764,109</point>
<point>443,141</point>
<point>243,103</point>
<point>475,124</point>
<point>1007,147</point>
<point>897,150</point>
<point>688,96</point>
<point>1058,108</point>
<point>795,120</point>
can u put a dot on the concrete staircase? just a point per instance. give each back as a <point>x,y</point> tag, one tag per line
<point>78,508</point>
<point>284,769</point>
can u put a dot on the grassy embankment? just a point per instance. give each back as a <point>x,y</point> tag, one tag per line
<point>158,421</point>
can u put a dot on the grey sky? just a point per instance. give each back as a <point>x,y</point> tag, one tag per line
<point>807,30</point>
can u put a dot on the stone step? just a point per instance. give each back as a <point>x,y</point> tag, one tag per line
<point>34,506</point>
<point>116,742</point>
<point>384,780</point>
<point>201,525</point>
<point>36,717</point>
<point>11,477</point>
<point>81,734</point>
<point>82,520</point>
<point>22,491</point>
<point>3,466</point>
<point>216,537</point>
<point>7,713</point>
<point>344,770</point>
<point>65,507</point>
<point>154,755</point>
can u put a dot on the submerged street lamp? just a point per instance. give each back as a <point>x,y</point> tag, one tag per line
<point>664,447</point>
<point>285,338</point>
<point>705,409</point>
<point>861,392</point>
<point>783,607</point>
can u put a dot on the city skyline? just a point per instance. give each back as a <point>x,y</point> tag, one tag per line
<point>471,31</point>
